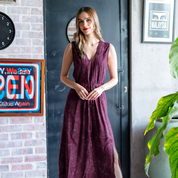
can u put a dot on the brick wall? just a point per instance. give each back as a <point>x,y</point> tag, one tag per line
<point>23,139</point>
<point>28,18</point>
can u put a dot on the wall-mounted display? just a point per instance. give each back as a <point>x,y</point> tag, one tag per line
<point>158,21</point>
<point>21,87</point>
<point>7,31</point>
<point>71,29</point>
<point>7,1</point>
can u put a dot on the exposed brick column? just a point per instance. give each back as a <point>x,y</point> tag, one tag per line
<point>28,18</point>
<point>23,139</point>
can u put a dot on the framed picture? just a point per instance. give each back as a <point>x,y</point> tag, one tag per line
<point>7,1</point>
<point>21,87</point>
<point>158,21</point>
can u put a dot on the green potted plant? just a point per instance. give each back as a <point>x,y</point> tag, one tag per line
<point>166,109</point>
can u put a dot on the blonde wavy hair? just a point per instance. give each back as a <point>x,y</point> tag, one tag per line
<point>79,37</point>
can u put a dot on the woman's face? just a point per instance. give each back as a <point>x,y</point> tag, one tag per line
<point>86,24</point>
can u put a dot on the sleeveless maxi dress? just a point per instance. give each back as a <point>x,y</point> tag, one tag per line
<point>86,148</point>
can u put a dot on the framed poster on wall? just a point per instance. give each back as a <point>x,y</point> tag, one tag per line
<point>7,1</point>
<point>21,87</point>
<point>158,21</point>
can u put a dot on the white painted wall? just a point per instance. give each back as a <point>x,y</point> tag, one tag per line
<point>150,80</point>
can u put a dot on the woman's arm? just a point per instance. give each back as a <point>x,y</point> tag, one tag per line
<point>112,66</point>
<point>67,61</point>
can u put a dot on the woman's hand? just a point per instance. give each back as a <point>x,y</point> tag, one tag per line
<point>81,91</point>
<point>94,94</point>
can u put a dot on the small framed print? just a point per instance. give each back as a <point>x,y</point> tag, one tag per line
<point>158,21</point>
<point>7,1</point>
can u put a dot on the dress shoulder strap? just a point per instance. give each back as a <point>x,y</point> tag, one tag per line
<point>104,47</point>
<point>74,50</point>
<point>76,57</point>
<point>73,46</point>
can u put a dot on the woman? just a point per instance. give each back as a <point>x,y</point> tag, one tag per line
<point>87,143</point>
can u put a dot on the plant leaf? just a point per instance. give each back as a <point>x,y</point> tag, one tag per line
<point>153,144</point>
<point>173,59</point>
<point>162,109</point>
<point>171,148</point>
<point>176,41</point>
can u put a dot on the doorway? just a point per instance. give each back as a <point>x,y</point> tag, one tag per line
<point>114,19</point>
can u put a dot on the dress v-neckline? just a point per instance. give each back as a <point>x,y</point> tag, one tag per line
<point>95,52</point>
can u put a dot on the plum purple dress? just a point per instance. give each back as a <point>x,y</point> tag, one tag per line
<point>86,148</point>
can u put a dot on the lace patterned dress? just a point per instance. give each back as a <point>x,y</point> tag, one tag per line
<point>86,148</point>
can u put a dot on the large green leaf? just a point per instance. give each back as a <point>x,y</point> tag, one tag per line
<point>162,109</point>
<point>173,59</point>
<point>176,41</point>
<point>171,148</point>
<point>153,144</point>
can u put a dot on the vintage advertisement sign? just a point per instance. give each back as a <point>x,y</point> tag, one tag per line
<point>7,1</point>
<point>158,21</point>
<point>21,87</point>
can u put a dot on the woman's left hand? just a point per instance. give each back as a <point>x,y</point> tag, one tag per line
<point>94,94</point>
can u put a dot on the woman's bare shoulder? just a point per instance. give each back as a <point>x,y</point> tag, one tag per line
<point>111,46</point>
<point>68,52</point>
<point>69,47</point>
<point>111,49</point>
